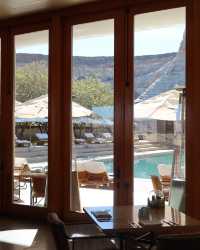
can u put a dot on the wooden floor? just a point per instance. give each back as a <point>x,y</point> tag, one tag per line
<point>18,234</point>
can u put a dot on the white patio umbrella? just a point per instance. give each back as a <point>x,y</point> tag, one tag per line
<point>161,107</point>
<point>37,109</point>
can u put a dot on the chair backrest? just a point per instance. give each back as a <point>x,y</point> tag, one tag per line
<point>157,186</point>
<point>182,242</point>
<point>164,170</point>
<point>58,230</point>
<point>42,136</point>
<point>39,185</point>
<point>89,136</point>
<point>107,135</point>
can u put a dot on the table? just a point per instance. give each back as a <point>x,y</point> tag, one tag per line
<point>123,217</point>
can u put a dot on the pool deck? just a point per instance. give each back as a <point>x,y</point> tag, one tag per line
<point>39,154</point>
<point>99,197</point>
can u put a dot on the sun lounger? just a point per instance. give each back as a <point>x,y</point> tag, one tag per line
<point>22,143</point>
<point>79,141</point>
<point>42,138</point>
<point>90,138</point>
<point>107,136</point>
<point>92,173</point>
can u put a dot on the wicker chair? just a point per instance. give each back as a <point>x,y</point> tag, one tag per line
<point>157,186</point>
<point>38,188</point>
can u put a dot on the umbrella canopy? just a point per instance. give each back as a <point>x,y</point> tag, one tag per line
<point>162,107</point>
<point>37,109</point>
<point>92,121</point>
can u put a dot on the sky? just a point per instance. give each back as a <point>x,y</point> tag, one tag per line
<point>148,42</point>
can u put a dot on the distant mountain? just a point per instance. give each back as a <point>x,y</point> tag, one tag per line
<point>168,76</point>
<point>148,69</point>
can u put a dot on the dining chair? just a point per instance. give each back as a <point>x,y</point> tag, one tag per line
<point>58,231</point>
<point>142,242</point>
<point>85,235</point>
<point>178,241</point>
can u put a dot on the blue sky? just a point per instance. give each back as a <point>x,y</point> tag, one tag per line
<point>148,42</point>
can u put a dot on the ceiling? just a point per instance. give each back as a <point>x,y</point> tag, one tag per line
<point>148,21</point>
<point>12,8</point>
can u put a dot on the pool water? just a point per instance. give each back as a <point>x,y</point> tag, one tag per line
<point>145,167</point>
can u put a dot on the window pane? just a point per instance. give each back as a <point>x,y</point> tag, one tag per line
<point>31,119</point>
<point>92,114</point>
<point>159,102</point>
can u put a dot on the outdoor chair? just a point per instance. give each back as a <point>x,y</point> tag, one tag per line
<point>178,241</point>
<point>107,136</point>
<point>42,138</point>
<point>79,141</point>
<point>22,143</point>
<point>21,167</point>
<point>157,186</point>
<point>165,174</point>
<point>90,138</point>
<point>38,188</point>
<point>83,235</point>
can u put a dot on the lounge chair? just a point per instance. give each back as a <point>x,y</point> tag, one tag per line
<point>90,138</point>
<point>92,173</point>
<point>107,136</point>
<point>22,143</point>
<point>42,138</point>
<point>79,141</point>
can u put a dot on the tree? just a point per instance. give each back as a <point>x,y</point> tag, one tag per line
<point>31,81</point>
<point>90,93</point>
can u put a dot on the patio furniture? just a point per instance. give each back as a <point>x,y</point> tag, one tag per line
<point>38,187</point>
<point>22,143</point>
<point>92,173</point>
<point>79,141</point>
<point>42,138</point>
<point>69,234</point>
<point>125,221</point>
<point>178,241</point>
<point>107,136</point>
<point>90,138</point>
<point>157,186</point>
<point>21,167</point>
<point>165,174</point>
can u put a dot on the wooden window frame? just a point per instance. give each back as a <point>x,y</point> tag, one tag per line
<point>56,20</point>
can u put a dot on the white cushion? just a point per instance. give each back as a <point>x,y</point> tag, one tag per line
<point>91,166</point>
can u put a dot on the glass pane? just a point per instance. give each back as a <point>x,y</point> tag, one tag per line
<point>92,114</point>
<point>31,119</point>
<point>159,102</point>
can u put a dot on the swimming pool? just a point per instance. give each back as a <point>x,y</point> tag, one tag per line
<point>144,167</point>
